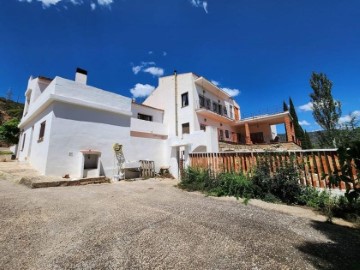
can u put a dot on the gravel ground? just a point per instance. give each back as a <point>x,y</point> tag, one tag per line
<point>153,225</point>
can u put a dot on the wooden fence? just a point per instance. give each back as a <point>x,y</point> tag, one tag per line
<point>313,165</point>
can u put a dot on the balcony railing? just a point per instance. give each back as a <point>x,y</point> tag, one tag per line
<point>213,107</point>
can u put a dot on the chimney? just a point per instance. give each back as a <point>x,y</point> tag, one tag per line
<point>81,76</point>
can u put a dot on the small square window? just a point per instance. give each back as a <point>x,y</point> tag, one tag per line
<point>186,128</point>
<point>184,99</point>
<point>202,127</point>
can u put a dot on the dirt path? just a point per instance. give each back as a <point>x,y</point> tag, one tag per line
<point>150,224</point>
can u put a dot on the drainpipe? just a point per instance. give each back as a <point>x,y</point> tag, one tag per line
<point>176,105</point>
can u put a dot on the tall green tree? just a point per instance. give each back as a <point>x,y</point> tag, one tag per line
<point>285,107</point>
<point>326,110</point>
<point>307,140</point>
<point>9,131</point>
<point>299,132</point>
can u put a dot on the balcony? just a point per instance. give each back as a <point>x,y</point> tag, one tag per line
<point>212,110</point>
<point>139,126</point>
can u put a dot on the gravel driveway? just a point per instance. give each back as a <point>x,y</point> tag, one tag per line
<point>153,225</point>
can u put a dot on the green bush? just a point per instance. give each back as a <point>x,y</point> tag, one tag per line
<point>195,179</point>
<point>233,184</point>
<point>225,184</point>
<point>284,184</point>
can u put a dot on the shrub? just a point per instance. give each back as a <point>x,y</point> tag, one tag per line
<point>261,181</point>
<point>195,179</point>
<point>233,184</point>
<point>285,184</point>
<point>224,184</point>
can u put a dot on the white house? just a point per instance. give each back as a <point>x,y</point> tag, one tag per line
<point>70,128</point>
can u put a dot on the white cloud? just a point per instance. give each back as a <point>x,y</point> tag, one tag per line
<point>215,83</point>
<point>136,69</point>
<point>105,2</point>
<point>199,3</point>
<point>141,90</point>
<point>205,5</point>
<point>304,123</point>
<point>349,117</point>
<point>232,92</point>
<point>306,107</point>
<point>48,3</point>
<point>148,67</point>
<point>155,71</point>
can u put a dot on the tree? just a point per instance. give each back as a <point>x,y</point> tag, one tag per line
<point>9,131</point>
<point>326,110</point>
<point>299,132</point>
<point>285,107</point>
<point>307,140</point>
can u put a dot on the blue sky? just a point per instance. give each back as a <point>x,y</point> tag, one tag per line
<point>262,50</point>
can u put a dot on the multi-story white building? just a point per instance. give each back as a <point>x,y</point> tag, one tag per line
<point>70,128</point>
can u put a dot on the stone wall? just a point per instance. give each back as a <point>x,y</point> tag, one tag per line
<point>223,147</point>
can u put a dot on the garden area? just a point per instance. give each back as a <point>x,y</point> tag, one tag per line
<point>285,185</point>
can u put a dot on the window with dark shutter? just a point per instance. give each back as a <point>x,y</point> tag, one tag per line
<point>42,131</point>
<point>184,100</point>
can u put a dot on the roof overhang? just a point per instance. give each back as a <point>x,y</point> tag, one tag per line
<point>214,116</point>
<point>271,119</point>
<point>204,83</point>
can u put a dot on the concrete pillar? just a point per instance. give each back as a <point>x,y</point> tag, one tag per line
<point>247,134</point>
<point>289,127</point>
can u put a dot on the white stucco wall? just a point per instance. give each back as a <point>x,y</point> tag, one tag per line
<point>35,151</point>
<point>78,128</point>
<point>157,115</point>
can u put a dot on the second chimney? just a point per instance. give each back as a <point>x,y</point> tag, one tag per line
<point>81,76</point>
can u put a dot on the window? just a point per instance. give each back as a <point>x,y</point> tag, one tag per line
<point>23,143</point>
<point>221,135</point>
<point>227,134</point>
<point>42,131</point>
<point>186,128</point>
<point>145,117</point>
<point>202,101</point>
<point>220,109</point>
<point>208,104</point>
<point>184,99</point>
<point>225,111</point>
<point>215,107</point>
<point>202,127</point>
<point>231,112</point>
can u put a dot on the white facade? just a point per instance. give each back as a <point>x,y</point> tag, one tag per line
<point>69,128</point>
<point>82,123</point>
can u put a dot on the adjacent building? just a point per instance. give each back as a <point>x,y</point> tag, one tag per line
<point>69,127</point>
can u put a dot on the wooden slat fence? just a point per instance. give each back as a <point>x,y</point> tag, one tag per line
<point>313,165</point>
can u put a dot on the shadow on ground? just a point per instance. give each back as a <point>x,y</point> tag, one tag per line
<point>342,251</point>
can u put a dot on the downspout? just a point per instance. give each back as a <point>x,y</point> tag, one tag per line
<point>176,105</point>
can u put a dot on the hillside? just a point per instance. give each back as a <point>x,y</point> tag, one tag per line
<point>10,109</point>
<point>315,134</point>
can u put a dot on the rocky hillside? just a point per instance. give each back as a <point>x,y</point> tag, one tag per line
<point>10,109</point>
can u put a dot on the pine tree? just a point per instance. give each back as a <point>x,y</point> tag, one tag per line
<point>326,110</point>
<point>299,133</point>
<point>285,107</point>
<point>308,143</point>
